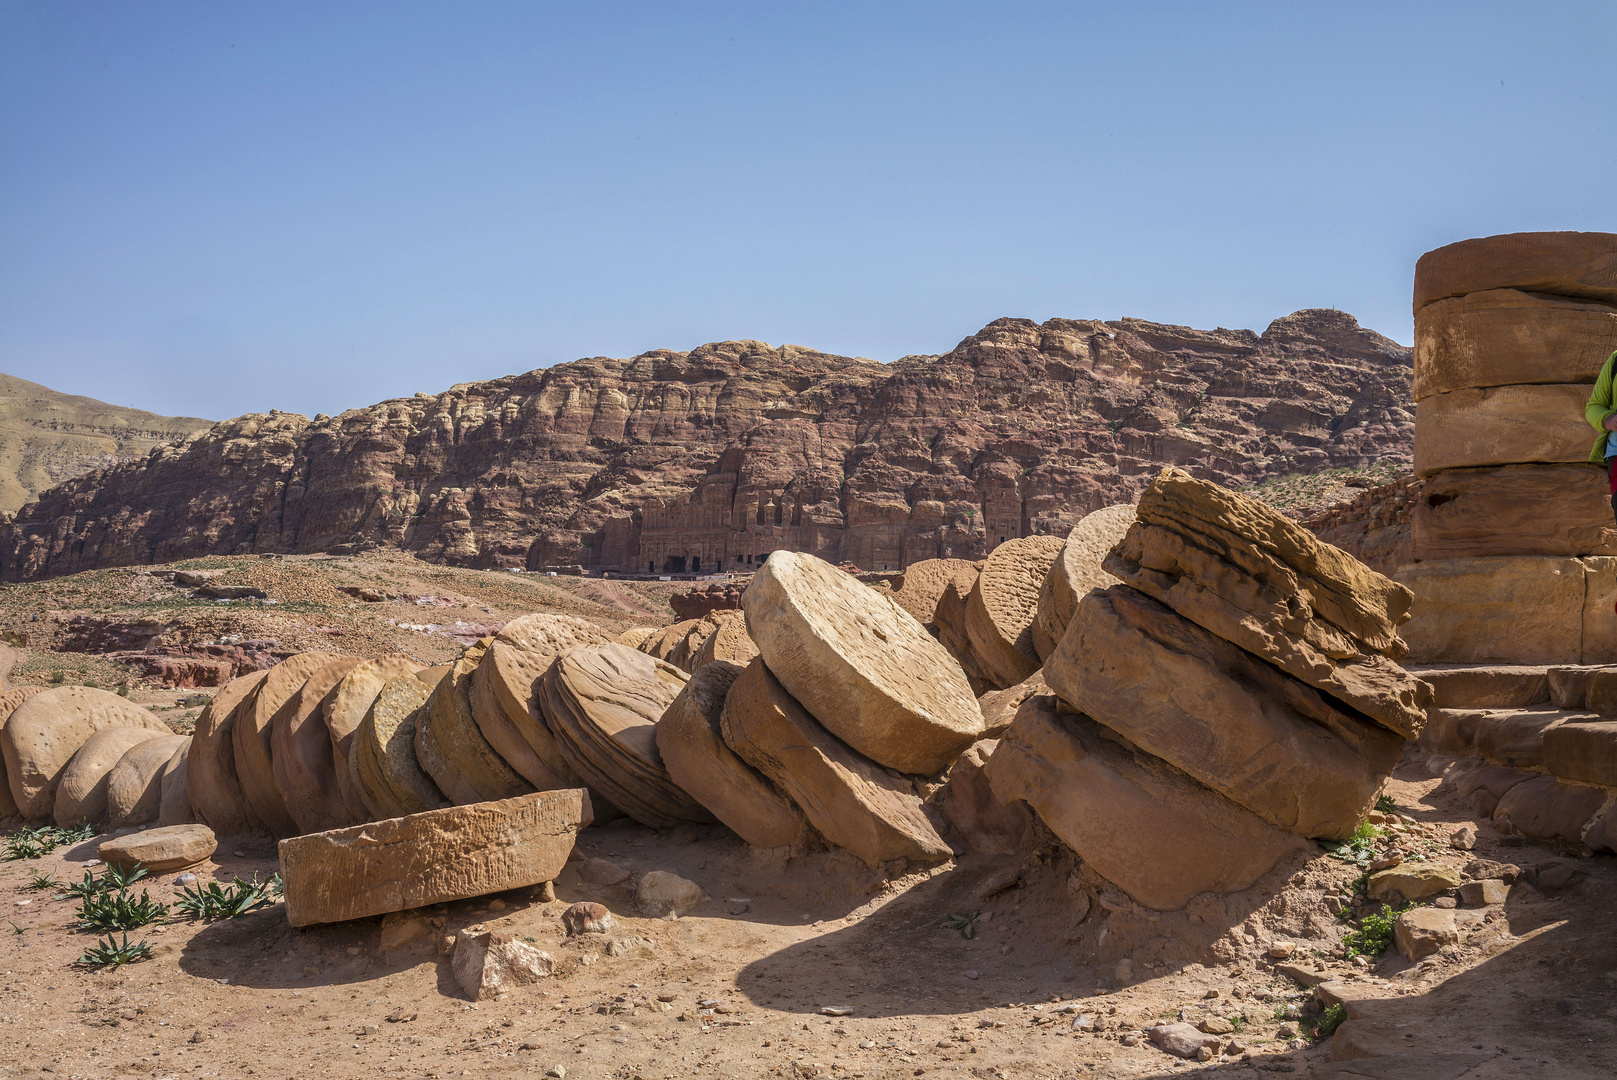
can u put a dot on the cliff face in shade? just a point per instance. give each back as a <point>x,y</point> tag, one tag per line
<point>713,458</point>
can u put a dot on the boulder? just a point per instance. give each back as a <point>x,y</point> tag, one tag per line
<point>853,802</point>
<point>81,794</point>
<point>1266,585</point>
<point>1413,881</point>
<point>1515,510</point>
<point>210,771</point>
<point>988,824</point>
<point>661,893</point>
<point>346,709</point>
<point>585,917</point>
<point>1422,931</point>
<point>1544,808</point>
<point>1503,609</point>
<point>1503,336</point>
<point>1077,570</point>
<point>1583,750</point>
<point>300,752</point>
<point>1484,893</point>
<point>1502,425</point>
<point>253,731</point>
<point>1140,823</point>
<point>1271,743</point>
<point>662,642</point>
<point>927,581</point>
<point>860,664</point>
<point>503,700</point>
<point>999,706</point>
<point>1572,264</point>
<point>1489,686</point>
<point>451,747</point>
<point>1004,605</point>
<point>603,703</point>
<point>685,652</point>
<point>1182,1040</point>
<point>636,635</point>
<point>160,851</point>
<point>174,796</point>
<point>135,783</point>
<point>430,858</point>
<point>489,964</point>
<point>45,731</point>
<point>949,620</point>
<point>382,764</point>
<point>691,742</point>
<point>730,643</point>
<point>9,700</point>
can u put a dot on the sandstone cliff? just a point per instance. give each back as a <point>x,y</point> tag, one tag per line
<point>47,437</point>
<point>713,458</point>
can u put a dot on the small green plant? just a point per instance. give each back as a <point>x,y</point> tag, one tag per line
<point>110,952</point>
<point>216,902</point>
<point>966,924</point>
<point>89,887</point>
<point>123,689</point>
<point>1385,805</point>
<point>107,911</point>
<point>15,929</point>
<point>1328,1021</point>
<point>34,843</point>
<point>1359,848</point>
<point>1374,933</point>
<point>42,881</point>
<point>117,878</point>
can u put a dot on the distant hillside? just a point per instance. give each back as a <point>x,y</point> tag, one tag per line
<point>47,437</point>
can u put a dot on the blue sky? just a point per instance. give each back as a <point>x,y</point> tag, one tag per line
<point>217,208</point>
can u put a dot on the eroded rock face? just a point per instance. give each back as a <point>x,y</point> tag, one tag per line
<point>736,449</point>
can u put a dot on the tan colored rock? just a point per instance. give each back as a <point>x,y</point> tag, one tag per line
<point>503,700</point>
<point>635,635</point>
<point>1420,932</point>
<point>1599,610</point>
<point>661,893</point>
<point>585,917</point>
<point>1521,610</point>
<point>730,643</point>
<point>1572,264</point>
<point>1502,425</point>
<point>684,654</point>
<point>988,824</point>
<point>854,803</point>
<point>1004,604</point>
<point>9,700</point>
<point>135,783</point>
<point>1413,881</point>
<point>210,772</point>
<point>662,642</point>
<point>160,851</point>
<point>46,731</point>
<point>1515,510</point>
<point>1583,750</point>
<point>1143,825</point>
<point>382,763</point>
<point>1273,744</point>
<point>1516,736</point>
<point>603,703</point>
<point>1484,893</point>
<point>251,736</point>
<point>451,747</point>
<point>430,858</point>
<point>691,741</point>
<point>1489,686</point>
<point>1545,808</point>
<point>174,796</point>
<point>300,752</point>
<point>346,710</point>
<point>999,706</point>
<point>860,664</point>
<point>81,794</point>
<point>926,582</point>
<point>949,620</point>
<point>1077,570</point>
<point>1504,336</point>
<point>489,964</point>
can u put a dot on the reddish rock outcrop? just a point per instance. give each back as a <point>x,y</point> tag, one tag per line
<point>711,459</point>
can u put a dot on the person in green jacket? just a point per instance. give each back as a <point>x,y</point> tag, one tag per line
<point>1602,416</point>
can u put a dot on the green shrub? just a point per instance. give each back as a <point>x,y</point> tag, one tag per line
<point>107,911</point>
<point>1374,933</point>
<point>110,952</point>
<point>216,902</point>
<point>1328,1022</point>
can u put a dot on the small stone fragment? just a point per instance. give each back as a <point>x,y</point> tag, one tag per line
<point>661,893</point>
<point>490,964</point>
<point>1484,892</point>
<point>587,918</point>
<point>1420,932</point>
<point>1464,838</point>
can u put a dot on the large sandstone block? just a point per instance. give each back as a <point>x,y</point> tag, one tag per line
<point>1143,825</point>
<point>693,749</point>
<point>81,796</point>
<point>45,731</point>
<point>1482,785</point>
<point>1516,736</point>
<point>685,652</point>
<point>1004,607</point>
<point>1276,746</point>
<point>1576,264</point>
<point>1502,425</point>
<point>860,664</point>
<point>926,582</point>
<point>1077,570</point>
<point>1583,750</point>
<point>382,764</point>
<point>135,783</point>
<point>430,858</point>
<point>1505,336</point>
<point>160,851</point>
<point>1544,808</point>
<point>215,790</point>
<point>1599,610</point>
<point>730,643</point>
<point>852,801</point>
<point>1488,686</point>
<point>174,796</point>
<point>1269,620</point>
<point>988,824</point>
<point>300,752</point>
<point>1526,610</point>
<point>1514,510</point>
<point>451,747</point>
<point>346,710</point>
<point>9,700</point>
<point>252,734</point>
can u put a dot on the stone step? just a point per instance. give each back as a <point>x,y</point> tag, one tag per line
<point>1583,750</point>
<point>1485,686</point>
<point>1512,737</point>
<point>1570,683</point>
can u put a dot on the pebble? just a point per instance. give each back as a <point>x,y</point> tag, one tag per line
<point>556,1072</point>
<point>1129,1040</point>
<point>1445,902</point>
<point>973,974</point>
<point>1287,1031</point>
<point>186,879</point>
<point>836,1010</point>
<point>1282,950</point>
<point>239,854</point>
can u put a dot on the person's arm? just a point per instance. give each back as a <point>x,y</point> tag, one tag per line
<point>1599,411</point>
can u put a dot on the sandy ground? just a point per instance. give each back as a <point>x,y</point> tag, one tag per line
<point>738,987</point>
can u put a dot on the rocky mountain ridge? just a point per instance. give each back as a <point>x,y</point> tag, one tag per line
<point>710,459</point>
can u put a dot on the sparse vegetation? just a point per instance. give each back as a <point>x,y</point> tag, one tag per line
<point>36,843</point>
<point>1374,934</point>
<point>42,881</point>
<point>1385,805</point>
<point>216,902</point>
<point>107,911</point>
<point>1359,848</point>
<point>966,924</point>
<point>111,952</point>
<point>1325,1025</point>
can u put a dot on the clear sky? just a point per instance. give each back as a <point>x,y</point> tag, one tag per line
<point>216,208</point>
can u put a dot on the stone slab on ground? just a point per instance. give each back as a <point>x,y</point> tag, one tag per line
<point>1502,425</point>
<point>1525,509</point>
<point>161,851</point>
<point>1486,686</point>
<point>1413,881</point>
<point>430,858</point>
<point>1502,336</point>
